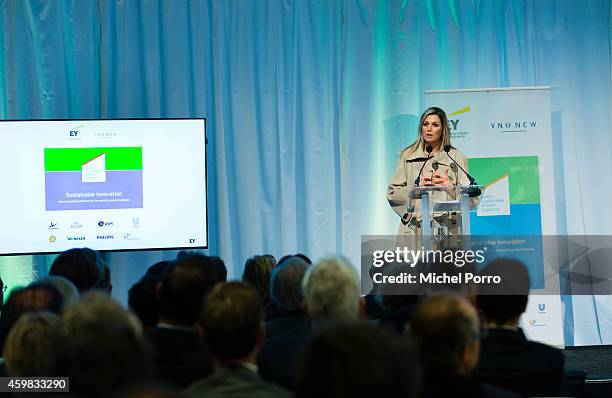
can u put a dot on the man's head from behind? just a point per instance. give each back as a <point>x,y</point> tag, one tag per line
<point>103,349</point>
<point>231,322</point>
<point>447,329</point>
<point>357,359</point>
<point>286,283</point>
<point>184,287</point>
<point>34,298</point>
<point>503,303</point>
<point>331,290</point>
<point>79,266</point>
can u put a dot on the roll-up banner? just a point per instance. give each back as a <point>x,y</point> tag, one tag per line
<point>506,135</point>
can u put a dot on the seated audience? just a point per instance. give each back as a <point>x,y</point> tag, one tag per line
<point>80,266</point>
<point>257,270</point>
<point>286,293</point>
<point>29,349</point>
<point>331,291</point>
<point>34,298</point>
<point>102,349</point>
<point>507,358</point>
<point>232,327</point>
<point>357,359</point>
<point>448,333</point>
<point>179,359</point>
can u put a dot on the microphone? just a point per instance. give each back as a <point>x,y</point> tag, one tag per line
<point>471,191</point>
<point>429,148</point>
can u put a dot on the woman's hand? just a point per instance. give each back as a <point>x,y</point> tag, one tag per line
<point>443,180</point>
<point>425,181</point>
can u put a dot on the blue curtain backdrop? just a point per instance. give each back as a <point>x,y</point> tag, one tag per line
<point>301,99</point>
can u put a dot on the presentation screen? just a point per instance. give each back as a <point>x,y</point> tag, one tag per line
<point>104,184</point>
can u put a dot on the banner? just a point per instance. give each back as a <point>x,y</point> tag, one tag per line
<point>506,135</point>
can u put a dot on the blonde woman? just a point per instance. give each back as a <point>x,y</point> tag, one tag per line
<point>427,163</point>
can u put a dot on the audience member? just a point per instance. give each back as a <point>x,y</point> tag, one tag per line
<point>157,270</point>
<point>257,271</point>
<point>331,292</point>
<point>398,301</point>
<point>34,298</point>
<point>232,327</point>
<point>507,358</point>
<point>358,359</point>
<point>29,349</point>
<point>214,263</point>
<point>68,291</point>
<point>179,358</point>
<point>447,330</point>
<point>142,300</point>
<point>286,294</point>
<point>79,266</point>
<point>102,349</point>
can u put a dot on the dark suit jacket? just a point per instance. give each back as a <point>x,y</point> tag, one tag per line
<point>233,381</point>
<point>437,386</point>
<point>509,360</point>
<point>283,325</point>
<point>278,357</point>
<point>179,358</point>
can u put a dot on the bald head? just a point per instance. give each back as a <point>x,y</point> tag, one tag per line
<point>447,328</point>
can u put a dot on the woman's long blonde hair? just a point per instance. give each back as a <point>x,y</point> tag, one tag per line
<point>445,139</point>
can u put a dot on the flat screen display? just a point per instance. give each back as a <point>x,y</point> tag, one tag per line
<point>104,184</point>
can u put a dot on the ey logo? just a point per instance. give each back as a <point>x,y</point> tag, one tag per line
<point>453,124</point>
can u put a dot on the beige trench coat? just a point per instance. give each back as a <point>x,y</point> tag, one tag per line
<point>407,171</point>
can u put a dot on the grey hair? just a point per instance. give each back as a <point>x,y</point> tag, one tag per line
<point>69,292</point>
<point>286,283</point>
<point>97,311</point>
<point>331,290</point>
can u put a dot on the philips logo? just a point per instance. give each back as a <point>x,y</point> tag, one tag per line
<point>105,237</point>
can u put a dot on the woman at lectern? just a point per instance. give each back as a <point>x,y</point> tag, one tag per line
<point>427,162</point>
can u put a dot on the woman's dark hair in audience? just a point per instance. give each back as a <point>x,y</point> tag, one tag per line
<point>80,266</point>
<point>34,298</point>
<point>358,359</point>
<point>257,272</point>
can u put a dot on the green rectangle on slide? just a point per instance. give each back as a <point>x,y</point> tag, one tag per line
<point>72,159</point>
<point>522,172</point>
